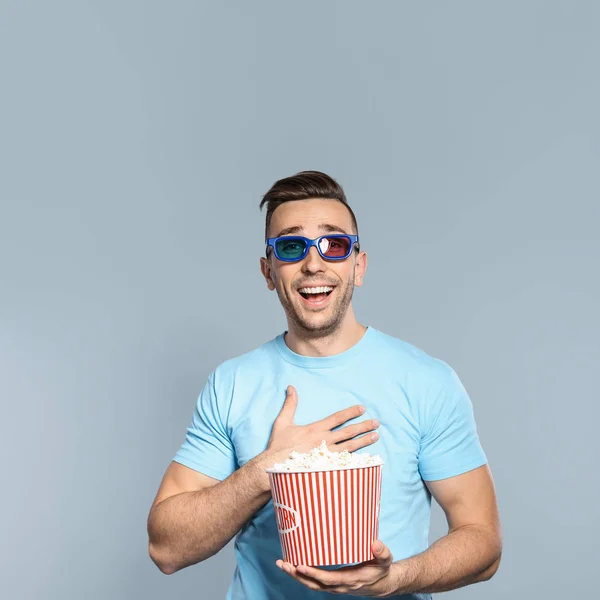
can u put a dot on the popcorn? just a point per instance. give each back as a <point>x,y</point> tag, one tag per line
<point>322,459</point>
<point>326,506</point>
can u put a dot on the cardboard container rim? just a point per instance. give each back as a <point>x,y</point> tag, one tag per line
<point>321,470</point>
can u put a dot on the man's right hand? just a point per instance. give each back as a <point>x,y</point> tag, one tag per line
<point>287,437</point>
<point>194,516</point>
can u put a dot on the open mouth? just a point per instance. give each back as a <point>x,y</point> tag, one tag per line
<point>315,295</point>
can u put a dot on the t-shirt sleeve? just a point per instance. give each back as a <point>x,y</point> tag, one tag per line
<point>449,441</point>
<point>207,447</point>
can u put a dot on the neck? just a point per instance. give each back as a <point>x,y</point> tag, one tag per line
<point>309,343</point>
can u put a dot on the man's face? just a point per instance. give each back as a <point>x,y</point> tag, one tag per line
<point>318,314</point>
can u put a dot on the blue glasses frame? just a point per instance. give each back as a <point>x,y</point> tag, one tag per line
<point>272,243</point>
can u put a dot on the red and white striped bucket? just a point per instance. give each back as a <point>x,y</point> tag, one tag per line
<point>327,517</point>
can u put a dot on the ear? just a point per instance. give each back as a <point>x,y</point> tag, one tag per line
<point>361,268</point>
<point>265,267</point>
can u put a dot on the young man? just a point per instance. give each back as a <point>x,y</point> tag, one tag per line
<point>334,373</point>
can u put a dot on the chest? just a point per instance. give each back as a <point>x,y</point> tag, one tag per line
<point>321,393</point>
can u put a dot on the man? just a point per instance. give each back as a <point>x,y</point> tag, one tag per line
<point>334,373</point>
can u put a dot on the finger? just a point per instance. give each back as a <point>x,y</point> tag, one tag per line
<point>382,553</point>
<point>290,403</point>
<point>293,572</point>
<point>328,579</point>
<point>351,431</point>
<point>341,416</point>
<point>358,443</point>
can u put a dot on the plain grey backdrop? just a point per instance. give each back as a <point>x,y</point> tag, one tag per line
<point>136,140</point>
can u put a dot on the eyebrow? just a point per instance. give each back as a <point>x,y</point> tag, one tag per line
<point>326,227</point>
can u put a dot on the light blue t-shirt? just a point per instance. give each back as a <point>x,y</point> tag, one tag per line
<point>427,432</point>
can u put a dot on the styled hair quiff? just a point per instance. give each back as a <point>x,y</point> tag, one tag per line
<point>303,186</point>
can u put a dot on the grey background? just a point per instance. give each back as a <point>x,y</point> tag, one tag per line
<point>136,136</point>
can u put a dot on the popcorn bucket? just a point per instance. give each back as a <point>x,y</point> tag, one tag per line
<point>327,517</point>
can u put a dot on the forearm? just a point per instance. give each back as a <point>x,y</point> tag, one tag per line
<point>464,556</point>
<point>192,526</point>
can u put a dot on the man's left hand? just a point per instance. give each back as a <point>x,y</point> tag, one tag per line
<point>373,578</point>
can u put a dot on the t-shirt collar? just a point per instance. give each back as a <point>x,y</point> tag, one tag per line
<point>323,362</point>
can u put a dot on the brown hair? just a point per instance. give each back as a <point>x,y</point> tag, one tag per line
<point>302,186</point>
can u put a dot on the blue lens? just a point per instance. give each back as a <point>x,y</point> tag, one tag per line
<point>290,248</point>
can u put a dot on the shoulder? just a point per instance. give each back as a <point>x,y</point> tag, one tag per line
<point>429,383</point>
<point>248,364</point>
<point>412,361</point>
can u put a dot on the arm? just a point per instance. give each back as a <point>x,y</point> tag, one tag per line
<point>471,550</point>
<point>194,516</point>
<point>468,554</point>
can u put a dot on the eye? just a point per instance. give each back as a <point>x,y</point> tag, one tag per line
<point>291,247</point>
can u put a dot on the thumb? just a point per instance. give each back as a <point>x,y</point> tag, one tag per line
<point>382,553</point>
<point>289,406</point>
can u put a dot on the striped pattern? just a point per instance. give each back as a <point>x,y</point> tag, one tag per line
<point>327,517</point>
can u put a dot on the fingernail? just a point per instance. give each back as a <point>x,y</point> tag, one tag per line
<point>302,569</point>
<point>375,423</point>
<point>374,436</point>
<point>362,409</point>
<point>378,546</point>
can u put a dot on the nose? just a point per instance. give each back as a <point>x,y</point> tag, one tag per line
<point>313,263</point>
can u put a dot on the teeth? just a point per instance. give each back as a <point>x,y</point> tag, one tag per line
<point>315,290</point>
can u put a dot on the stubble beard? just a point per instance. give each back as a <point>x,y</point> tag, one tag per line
<point>316,328</point>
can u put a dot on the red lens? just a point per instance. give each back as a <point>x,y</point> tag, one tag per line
<point>335,247</point>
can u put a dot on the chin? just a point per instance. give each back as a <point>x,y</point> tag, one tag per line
<point>318,325</point>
